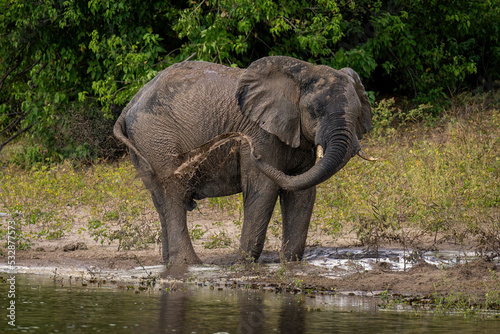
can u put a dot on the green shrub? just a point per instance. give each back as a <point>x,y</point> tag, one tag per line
<point>68,65</point>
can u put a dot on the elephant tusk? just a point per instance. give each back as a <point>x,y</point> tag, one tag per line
<point>319,152</point>
<point>366,156</point>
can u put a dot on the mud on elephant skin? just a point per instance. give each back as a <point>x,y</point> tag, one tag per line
<point>202,130</point>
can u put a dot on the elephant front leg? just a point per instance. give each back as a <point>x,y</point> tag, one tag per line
<point>258,210</point>
<point>296,211</point>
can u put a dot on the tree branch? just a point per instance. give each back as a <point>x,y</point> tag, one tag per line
<point>9,72</point>
<point>15,136</point>
<point>12,125</point>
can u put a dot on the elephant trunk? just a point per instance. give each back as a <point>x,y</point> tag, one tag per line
<point>338,150</point>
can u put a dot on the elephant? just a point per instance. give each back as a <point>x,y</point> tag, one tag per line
<point>201,129</point>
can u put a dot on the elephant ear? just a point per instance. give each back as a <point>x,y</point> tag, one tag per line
<point>269,92</point>
<point>365,116</point>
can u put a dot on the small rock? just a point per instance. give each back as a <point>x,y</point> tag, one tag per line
<point>74,247</point>
<point>81,246</point>
<point>69,248</point>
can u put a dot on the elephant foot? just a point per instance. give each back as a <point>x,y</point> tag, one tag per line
<point>292,253</point>
<point>184,259</point>
<point>293,257</point>
<point>249,256</point>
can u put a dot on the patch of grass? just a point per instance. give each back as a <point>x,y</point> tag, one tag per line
<point>196,232</point>
<point>218,240</point>
<point>230,204</point>
<point>46,201</point>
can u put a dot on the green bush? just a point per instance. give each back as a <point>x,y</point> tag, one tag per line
<point>66,63</point>
<point>65,66</point>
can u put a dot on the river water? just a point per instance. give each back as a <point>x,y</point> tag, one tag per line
<point>48,305</point>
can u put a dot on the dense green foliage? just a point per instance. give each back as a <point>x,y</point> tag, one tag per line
<point>67,67</point>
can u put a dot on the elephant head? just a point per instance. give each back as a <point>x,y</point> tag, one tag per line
<point>306,105</point>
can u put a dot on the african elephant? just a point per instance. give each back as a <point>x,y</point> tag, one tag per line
<point>201,130</point>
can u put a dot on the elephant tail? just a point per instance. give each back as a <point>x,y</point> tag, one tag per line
<point>119,131</point>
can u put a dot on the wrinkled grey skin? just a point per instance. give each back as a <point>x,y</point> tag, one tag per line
<point>204,130</point>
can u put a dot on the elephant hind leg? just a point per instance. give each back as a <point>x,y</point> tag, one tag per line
<point>170,203</point>
<point>158,201</point>
<point>296,210</point>
<point>176,244</point>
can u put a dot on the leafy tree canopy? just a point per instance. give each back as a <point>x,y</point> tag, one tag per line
<point>67,67</point>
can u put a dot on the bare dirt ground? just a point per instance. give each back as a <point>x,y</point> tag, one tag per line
<point>78,251</point>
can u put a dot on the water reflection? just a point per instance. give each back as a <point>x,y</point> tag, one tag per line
<point>251,314</point>
<point>47,306</point>
<point>232,311</point>
<point>291,315</point>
